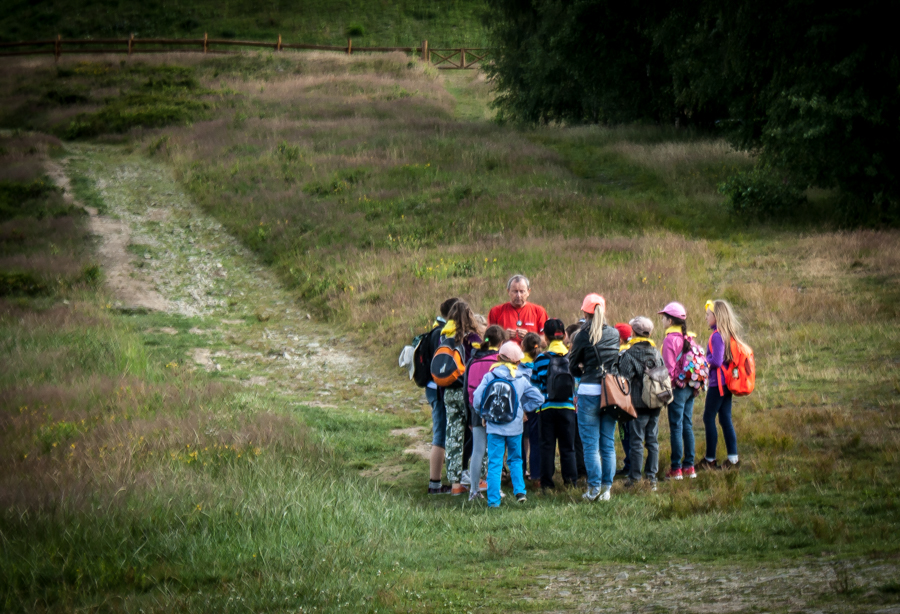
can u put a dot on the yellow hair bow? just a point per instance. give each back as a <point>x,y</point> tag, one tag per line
<point>709,306</point>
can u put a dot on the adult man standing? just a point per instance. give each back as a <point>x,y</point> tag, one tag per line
<point>518,317</point>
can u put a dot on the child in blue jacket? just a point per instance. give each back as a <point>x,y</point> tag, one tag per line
<point>506,436</point>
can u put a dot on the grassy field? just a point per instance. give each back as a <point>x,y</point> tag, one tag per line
<point>444,23</point>
<point>373,188</point>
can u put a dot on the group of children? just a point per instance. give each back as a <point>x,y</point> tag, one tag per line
<point>517,401</point>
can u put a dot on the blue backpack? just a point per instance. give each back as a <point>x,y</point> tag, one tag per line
<point>500,401</point>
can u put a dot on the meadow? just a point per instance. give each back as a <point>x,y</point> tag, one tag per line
<point>374,187</point>
<point>444,23</point>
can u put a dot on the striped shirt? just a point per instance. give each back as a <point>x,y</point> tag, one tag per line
<point>539,375</point>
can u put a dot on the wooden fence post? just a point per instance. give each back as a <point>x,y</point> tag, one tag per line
<point>349,46</point>
<point>425,50</point>
<point>278,47</point>
<point>205,42</point>
<point>130,43</point>
<point>57,47</point>
<point>462,58</point>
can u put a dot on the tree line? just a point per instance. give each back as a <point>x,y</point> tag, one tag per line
<point>812,87</point>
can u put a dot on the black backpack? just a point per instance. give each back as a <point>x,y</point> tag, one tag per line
<point>560,383</point>
<point>423,354</point>
<point>500,401</point>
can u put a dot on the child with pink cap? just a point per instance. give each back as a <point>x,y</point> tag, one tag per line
<point>501,399</point>
<point>681,409</point>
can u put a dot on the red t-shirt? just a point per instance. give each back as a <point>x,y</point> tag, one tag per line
<point>531,316</point>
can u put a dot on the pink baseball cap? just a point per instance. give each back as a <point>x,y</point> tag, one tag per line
<point>675,310</point>
<point>511,351</point>
<point>591,301</point>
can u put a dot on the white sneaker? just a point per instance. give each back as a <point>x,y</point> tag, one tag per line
<point>465,480</point>
<point>592,493</point>
<point>604,496</point>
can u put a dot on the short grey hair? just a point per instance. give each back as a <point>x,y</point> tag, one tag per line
<point>517,278</point>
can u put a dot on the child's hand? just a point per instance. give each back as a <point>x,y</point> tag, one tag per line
<point>484,423</point>
<point>525,418</point>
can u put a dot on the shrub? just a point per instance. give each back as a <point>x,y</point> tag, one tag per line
<point>355,29</point>
<point>762,194</point>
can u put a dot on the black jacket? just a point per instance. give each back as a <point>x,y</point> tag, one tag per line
<point>583,357</point>
<point>632,363</point>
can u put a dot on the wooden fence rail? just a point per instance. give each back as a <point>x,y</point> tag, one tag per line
<point>443,58</point>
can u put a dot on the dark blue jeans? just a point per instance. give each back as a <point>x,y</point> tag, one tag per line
<point>718,405</point>
<point>681,428</point>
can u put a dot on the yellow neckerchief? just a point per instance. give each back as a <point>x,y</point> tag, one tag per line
<point>490,348</point>
<point>502,363</point>
<point>558,347</point>
<point>631,342</point>
<point>449,329</point>
<point>677,329</point>
<point>527,358</point>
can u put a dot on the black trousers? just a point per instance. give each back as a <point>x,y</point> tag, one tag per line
<point>558,428</point>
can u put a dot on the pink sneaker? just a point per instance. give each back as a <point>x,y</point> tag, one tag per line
<point>689,472</point>
<point>674,474</point>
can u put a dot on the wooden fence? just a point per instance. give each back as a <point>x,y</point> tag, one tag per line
<point>443,58</point>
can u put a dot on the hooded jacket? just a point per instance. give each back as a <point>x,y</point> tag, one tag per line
<point>530,398</point>
<point>583,359</point>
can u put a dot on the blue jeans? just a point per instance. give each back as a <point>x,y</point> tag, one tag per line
<point>438,417</point>
<point>719,405</point>
<point>681,428</point>
<point>496,445</point>
<point>598,434</point>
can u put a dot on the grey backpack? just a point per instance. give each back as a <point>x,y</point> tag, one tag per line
<point>657,392</point>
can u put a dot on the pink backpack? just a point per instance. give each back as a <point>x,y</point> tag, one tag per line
<point>475,372</point>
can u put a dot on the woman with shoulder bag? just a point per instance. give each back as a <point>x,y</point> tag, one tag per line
<point>594,353</point>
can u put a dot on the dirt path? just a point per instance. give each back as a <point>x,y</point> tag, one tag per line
<point>131,291</point>
<point>161,252</point>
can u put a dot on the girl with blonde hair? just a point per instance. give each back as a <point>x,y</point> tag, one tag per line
<point>595,350</point>
<point>726,327</point>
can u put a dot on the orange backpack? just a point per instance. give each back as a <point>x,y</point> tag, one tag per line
<point>740,377</point>
<point>447,366</point>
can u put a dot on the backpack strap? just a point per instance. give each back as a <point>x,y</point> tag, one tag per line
<point>721,379</point>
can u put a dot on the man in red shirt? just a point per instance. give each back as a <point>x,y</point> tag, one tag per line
<point>518,316</point>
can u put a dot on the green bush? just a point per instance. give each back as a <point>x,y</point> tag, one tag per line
<point>355,29</point>
<point>762,194</point>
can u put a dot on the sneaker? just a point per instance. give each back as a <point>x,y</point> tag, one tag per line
<point>621,473</point>
<point>521,498</point>
<point>629,483</point>
<point>674,474</point>
<point>482,486</point>
<point>604,496</point>
<point>443,490</point>
<point>459,489</point>
<point>729,465</point>
<point>475,495</point>
<point>653,487</point>
<point>705,465</point>
<point>689,472</point>
<point>465,480</point>
<point>592,493</point>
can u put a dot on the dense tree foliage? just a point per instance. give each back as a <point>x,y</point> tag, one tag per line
<point>813,87</point>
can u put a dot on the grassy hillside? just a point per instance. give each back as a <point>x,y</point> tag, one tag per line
<point>374,188</point>
<point>405,23</point>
